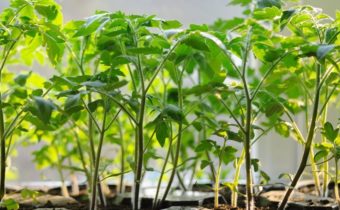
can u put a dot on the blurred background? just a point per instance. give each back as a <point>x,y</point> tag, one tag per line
<point>271,150</point>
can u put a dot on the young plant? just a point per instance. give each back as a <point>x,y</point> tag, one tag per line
<point>225,155</point>
<point>25,24</point>
<point>329,150</point>
<point>318,53</point>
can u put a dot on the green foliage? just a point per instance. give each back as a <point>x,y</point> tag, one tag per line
<point>146,84</point>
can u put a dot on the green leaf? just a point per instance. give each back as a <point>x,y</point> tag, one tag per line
<point>320,155</point>
<point>323,50</point>
<point>144,50</point>
<point>234,136</point>
<point>42,109</point>
<point>283,129</point>
<point>240,2</point>
<point>228,154</point>
<point>269,3</point>
<point>329,132</point>
<point>21,79</point>
<point>162,132</point>
<point>285,18</point>
<point>171,24</point>
<point>72,101</point>
<point>48,11</point>
<point>92,24</point>
<point>265,177</point>
<point>267,13</point>
<point>204,164</point>
<point>94,84</point>
<point>95,104</point>
<point>289,176</point>
<point>204,145</point>
<point>54,46</point>
<point>256,164</point>
<point>10,204</point>
<point>196,42</point>
<point>174,113</point>
<point>331,35</point>
<point>221,133</point>
<point>274,108</point>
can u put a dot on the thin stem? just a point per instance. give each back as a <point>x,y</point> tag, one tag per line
<point>309,141</point>
<point>82,159</point>
<point>95,177</point>
<point>93,119</point>
<point>2,126</point>
<point>247,142</point>
<point>179,140</point>
<point>336,181</point>
<point>314,171</point>
<point>156,201</point>
<point>234,193</point>
<point>232,115</point>
<point>268,72</point>
<point>217,178</point>
<point>120,105</point>
<point>325,167</point>
<point>122,161</point>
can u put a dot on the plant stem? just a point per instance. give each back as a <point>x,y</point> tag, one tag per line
<point>3,164</point>
<point>217,178</point>
<point>64,191</point>
<point>314,171</point>
<point>179,140</point>
<point>247,129</point>
<point>155,201</point>
<point>122,161</point>
<point>234,193</point>
<point>139,152</point>
<point>204,133</point>
<point>336,184</point>
<point>95,177</point>
<point>3,152</point>
<point>325,167</point>
<point>82,160</point>
<point>309,141</point>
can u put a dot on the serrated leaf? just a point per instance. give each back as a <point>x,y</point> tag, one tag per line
<point>48,11</point>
